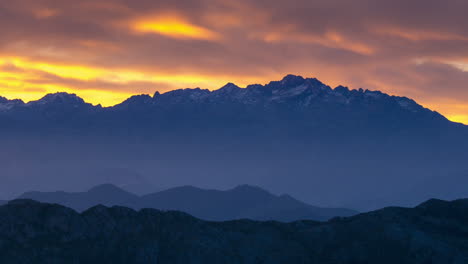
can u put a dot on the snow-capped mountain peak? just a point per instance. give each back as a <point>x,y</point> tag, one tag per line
<point>292,92</point>
<point>59,98</point>
<point>6,104</point>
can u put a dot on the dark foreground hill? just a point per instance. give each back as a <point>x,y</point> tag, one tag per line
<point>244,201</point>
<point>31,232</point>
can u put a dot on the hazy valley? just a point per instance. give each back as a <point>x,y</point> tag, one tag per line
<point>332,147</point>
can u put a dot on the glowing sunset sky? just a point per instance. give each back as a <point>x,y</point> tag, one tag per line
<point>107,50</point>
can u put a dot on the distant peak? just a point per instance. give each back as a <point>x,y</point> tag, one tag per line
<point>6,104</point>
<point>229,86</point>
<point>291,78</point>
<point>60,98</point>
<point>432,203</point>
<point>291,81</point>
<point>140,96</point>
<point>341,89</point>
<point>187,91</point>
<point>182,95</point>
<point>140,99</point>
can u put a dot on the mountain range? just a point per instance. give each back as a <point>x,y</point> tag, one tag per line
<point>336,147</point>
<point>241,202</point>
<point>33,232</point>
<point>292,92</point>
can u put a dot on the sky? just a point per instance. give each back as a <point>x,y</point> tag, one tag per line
<point>107,50</point>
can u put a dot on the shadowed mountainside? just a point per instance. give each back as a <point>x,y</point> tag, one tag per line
<point>241,202</point>
<point>31,232</point>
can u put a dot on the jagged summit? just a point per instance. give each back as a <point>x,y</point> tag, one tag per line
<point>291,78</point>
<point>292,95</point>
<point>4,100</point>
<point>137,100</point>
<point>342,89</point>
<point>227,90</point>
<point>229,86</point>
<point>297,91</point>
<point>6,104</point>
<point>60,98</point>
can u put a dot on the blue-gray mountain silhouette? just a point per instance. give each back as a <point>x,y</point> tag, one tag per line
<point>105,194</point>
<point>32,232</point>
<point>328,146</point>
<point>241,202</point>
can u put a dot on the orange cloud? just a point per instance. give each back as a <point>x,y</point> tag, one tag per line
<point>330,39</point>
<point>417,35</point>
<point>460,65</point>
<point>173,26</point>
<point>105,50</point>
<point>43,13</point>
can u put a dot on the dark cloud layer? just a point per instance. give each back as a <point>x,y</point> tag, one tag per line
<point>415,48</point>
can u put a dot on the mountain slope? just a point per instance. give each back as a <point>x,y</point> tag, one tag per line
<point>331,146</point>
<point>241,202</point>
<point>31,232</point>
<point>105,194</point>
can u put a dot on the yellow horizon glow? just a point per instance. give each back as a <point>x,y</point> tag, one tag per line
<point>458,118</point>
<point>94,97</point>
<point>175,27</point>
<point>86,73</point>
<point>17,84</point>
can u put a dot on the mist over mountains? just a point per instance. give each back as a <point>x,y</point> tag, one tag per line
<point>241,202</point>
<point>326,146</point>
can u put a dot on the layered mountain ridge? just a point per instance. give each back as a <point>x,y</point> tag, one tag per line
<point>243,201</point>
<point>33,232</point>
<point>305,91</point>
<point>334,147</point>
